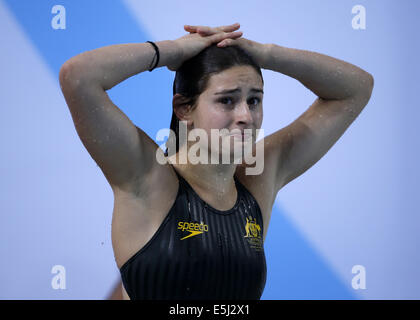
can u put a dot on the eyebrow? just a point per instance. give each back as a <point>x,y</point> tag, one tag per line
<point>238,90</point>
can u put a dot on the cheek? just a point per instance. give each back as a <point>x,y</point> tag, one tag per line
<point>213,119</point>
<point>258,118</point>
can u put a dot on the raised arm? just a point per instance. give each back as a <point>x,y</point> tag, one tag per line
<point>343,90</point>
<point>122,151</point>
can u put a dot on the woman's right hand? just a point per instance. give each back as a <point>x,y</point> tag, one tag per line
<point>194,42</point>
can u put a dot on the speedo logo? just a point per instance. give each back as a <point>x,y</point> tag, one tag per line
<point>193,228</point>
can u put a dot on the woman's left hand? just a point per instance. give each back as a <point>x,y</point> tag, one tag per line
<point>257,50</point>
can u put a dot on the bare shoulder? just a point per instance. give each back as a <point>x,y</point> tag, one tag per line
<point>262,188</point>
<point>259,185</point>
<point>139,210</point>
<point>259,178</point>
<point>158,179</point>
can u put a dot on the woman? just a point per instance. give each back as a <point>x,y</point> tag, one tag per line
<point>193,230</point>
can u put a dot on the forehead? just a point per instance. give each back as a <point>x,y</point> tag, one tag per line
<point>239,76</point>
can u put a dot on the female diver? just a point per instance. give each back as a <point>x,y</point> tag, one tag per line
<point>195,230</point>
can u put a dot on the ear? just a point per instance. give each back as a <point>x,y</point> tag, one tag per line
<point>182,108</point>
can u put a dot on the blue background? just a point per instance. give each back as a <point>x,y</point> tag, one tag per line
<point>356,206</point>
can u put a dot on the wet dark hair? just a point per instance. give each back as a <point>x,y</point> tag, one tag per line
<point>192,77</point>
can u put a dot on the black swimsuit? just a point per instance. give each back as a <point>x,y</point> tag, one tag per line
<point>199,252</point>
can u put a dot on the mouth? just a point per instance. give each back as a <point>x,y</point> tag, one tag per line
<point>241,136</point>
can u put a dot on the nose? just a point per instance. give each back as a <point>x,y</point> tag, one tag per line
<point>243,114</point>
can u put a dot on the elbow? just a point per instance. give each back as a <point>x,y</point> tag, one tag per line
<point>363,92</point>
<point>367,84</point>
<point>370,81</point>
<point>370,84</point>
<point>64,72</point>
<point>70,75</point>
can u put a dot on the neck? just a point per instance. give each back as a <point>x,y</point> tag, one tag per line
<point>215,179</point>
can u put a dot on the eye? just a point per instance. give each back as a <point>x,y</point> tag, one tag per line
<point>222,100</point>
<point>225,100</point>
<point>256,99</point>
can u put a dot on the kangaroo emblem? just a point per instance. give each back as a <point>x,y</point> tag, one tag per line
<point>252,229</point>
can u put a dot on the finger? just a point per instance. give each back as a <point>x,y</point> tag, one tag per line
<point>231,27</point>
<point>225,43</point>
<point>221,44</point>
<point>233,35</point>
<point>237,34</point>
<point>195,28</point>
<point>209,30</point>
<point>221,36</point>
<point>205,30</point>
<point>190,28</point>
